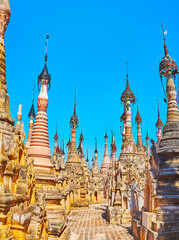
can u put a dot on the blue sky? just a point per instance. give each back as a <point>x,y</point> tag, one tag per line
<point>89,44</point>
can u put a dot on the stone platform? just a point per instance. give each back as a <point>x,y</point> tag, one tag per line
<point>90,224</point>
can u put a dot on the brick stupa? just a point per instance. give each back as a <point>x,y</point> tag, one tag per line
<point>39,144</point>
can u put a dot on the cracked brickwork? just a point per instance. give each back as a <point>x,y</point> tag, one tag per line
<point>90,224</point>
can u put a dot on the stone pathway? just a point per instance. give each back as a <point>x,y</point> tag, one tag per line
<point>90,224</point>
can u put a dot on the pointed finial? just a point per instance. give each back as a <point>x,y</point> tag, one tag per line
<point>127,69</point>
<point>106,135</point>
<point>147,134</point>
<point>57,126</point>
<point>158,104</point>
<point>138,118</point>
<point>74,118</point>
<point>75,103</point>
<point>44,74</point>
<point>46,57</point>
<point>63,145</point>
<point>87,156</point>
<point>56,135</point>
<point>137,99</point>
<point>96,151</point>
<point>75,96</point>
<point>127,72</point>
<point>159,123</point>
<point>163,32</point>
<point>33,93</point>
<point>81,137</point>
<point>165,46</point>
<point>112,132</point>
<point>32,110</point>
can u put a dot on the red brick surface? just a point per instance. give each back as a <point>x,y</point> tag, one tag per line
<point>90,224</point>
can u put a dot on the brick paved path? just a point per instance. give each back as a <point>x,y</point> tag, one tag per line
<point>90,224</point>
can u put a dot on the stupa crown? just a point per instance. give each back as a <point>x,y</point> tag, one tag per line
<point>74,117</point>
<point>147,136</point>
<point>96,148</point>
<point>167,64</point>
<point>31,113</point>
<point>81,137</point>
<point>127,93</point>
<point>69,142</point>
<point>159,122</point>
<point>56,136</point>
<point>113,144</point>
<point>138,118</point>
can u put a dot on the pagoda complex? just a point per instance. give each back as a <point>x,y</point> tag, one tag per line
<point>39,189</point>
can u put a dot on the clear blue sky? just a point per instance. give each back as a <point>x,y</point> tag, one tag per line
<point>89,44</point>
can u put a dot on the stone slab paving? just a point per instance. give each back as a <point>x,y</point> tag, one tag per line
<point>90,224</point>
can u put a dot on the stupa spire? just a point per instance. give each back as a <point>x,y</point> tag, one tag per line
<point>159,125</point>
<point>127,98</point>
<point>96,156</point>
<point>138,121</point>
<point>168,68</point>
<point>68,143</point>
<point>31,113</point>
<point>39,145</point>
<point>147,142</point>
<point>72,153</point>
<point>87,160</point>
<point>165,45</point>
<point>113,152</point>
<point>106,160</point>
<point>56,137</point>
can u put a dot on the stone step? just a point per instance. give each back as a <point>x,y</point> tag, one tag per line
<point>159,226</point>
<point>173,235</point>
<point>167,214</point>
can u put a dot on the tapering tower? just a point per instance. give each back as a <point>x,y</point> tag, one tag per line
<point>147,143</point>
<point>6,122</point>
<point>138,121</point>
<point>130,168</point>
<point>68,143</point>
<point>72,153</point>
<point>56,140</point>
<point>106,160</point>
<point>80,147</point>
<point>73,163</point>
<point>39,145</point>
<point>127,98</point>
<point>159,125</point>
<point>81,153</point>
<point>95,169</point>
<point>87,160</point>
<point>113,153</point>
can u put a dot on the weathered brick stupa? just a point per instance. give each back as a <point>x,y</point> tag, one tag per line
<point>160,220</point>
<point>39,144</point>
